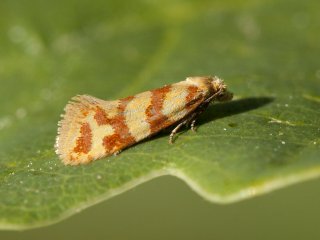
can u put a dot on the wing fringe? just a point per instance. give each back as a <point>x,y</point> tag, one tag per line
<point>69,125</point>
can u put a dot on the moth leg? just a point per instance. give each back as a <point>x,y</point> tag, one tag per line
<point>117,153</point>
<point>192,120</point>
<point>189,121</point>
<point>193,125</point>
<point>175,130</point>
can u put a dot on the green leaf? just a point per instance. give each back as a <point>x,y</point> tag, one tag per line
<point>268,137</point>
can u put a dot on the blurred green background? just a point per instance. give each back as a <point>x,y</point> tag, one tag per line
<point>52,50</point>
<point>166,208</point>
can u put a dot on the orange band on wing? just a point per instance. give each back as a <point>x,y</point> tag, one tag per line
<point>122,136</point>
<point>155,117</point>
<point>85,140</point>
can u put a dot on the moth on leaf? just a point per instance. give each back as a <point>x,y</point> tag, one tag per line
<point>92,128</point>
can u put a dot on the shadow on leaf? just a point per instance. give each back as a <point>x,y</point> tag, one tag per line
<point>226,109</point>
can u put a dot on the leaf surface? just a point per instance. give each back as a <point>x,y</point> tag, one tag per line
<point>266,138</point>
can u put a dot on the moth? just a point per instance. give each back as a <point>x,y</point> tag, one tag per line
<point>92,128</point>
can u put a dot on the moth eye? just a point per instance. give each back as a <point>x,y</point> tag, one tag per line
<point>225,96</point>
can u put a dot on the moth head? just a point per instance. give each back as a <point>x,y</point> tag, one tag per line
<point>215,86</point>
<point>220,88</point>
